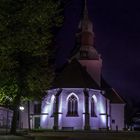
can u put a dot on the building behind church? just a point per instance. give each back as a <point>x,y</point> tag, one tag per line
<point>80,98</point>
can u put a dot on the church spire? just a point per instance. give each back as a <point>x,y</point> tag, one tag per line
<point>87,50</point>
<point>85,10</point>
<point>85,20</point>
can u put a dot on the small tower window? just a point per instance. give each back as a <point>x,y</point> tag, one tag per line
<point>93,113</point>
<point>72,106</point>
<point>83,54</point>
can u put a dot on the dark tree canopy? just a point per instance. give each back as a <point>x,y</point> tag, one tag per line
<point>25,42</point>
<point>27,37</point>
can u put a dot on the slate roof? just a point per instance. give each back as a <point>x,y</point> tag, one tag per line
<point>110,93</point>
<point>74,75</point>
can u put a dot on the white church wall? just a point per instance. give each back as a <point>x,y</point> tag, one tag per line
<point>43,121</point>
<point>50,123</point>
<point>109,113</point>
<point>94,121</point>
<point>102,111</point>
<point>117,116</point>
<point>68,121</point>
<point>78,122</point>
<point>47,121</point>
<point>44,110</point>
<point>50,112</point>
<point>60,111</point>
<point>60,121</point>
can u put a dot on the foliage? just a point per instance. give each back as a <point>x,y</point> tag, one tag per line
<point>26,40</point>
<point>25,43</point>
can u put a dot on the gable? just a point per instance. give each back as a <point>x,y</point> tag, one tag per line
<point>74,76</point>
<point>110,93</point>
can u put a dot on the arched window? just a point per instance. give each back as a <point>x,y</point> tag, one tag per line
<point>72,106</point>
<point>93,113</point>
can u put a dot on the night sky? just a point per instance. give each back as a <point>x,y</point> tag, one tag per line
<point>117,29</point>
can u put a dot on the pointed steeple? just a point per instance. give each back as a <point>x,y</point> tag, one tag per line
<point>87,50</point>
<point>86,23</point>
<point>85,10</point>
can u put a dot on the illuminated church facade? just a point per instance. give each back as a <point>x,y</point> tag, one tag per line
<point>80,98</point>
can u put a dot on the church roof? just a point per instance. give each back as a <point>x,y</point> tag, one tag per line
<point>110,93</point>
<point>74,75</point>
<point>114,97</point>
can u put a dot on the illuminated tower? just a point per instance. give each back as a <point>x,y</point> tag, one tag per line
<point>79,98</point>
<point>88,55</point>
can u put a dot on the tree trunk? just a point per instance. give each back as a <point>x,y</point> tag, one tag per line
<point>29,126</point>
<point>21,74</point>
<point>15,115</point>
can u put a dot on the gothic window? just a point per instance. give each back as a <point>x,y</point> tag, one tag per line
<point>93,113</point>
<point>72,106</point>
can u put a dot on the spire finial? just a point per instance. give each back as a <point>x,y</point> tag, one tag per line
<point>85,4</point>
<point>85,10</point>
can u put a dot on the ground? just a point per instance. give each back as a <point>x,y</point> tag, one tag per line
<point>79,135</point>
<point>10,137</point>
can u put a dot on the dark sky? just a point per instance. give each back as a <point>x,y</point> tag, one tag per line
<point>117,29</point>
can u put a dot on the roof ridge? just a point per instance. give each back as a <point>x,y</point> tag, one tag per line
<point>117,95</point>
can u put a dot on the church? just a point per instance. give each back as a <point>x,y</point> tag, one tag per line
<point>80,98</point>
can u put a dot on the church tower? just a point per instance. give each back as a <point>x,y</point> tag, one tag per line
<point>88,55</point>
<point>77,100</point>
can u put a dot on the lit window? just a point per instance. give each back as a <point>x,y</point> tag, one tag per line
<point>93,113</point>
<point>72,106</point>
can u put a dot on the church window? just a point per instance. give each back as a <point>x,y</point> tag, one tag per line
<point>83,54</point>
<point>93,113</point>
<point>72,106</point>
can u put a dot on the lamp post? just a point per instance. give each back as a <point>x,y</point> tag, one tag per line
<point>21,108</point>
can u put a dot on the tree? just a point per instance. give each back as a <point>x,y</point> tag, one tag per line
<point>26,40</point>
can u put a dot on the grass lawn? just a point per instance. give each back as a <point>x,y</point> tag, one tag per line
<point>88,136</point>
<point>77,136</point>
<point>10,137</point>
